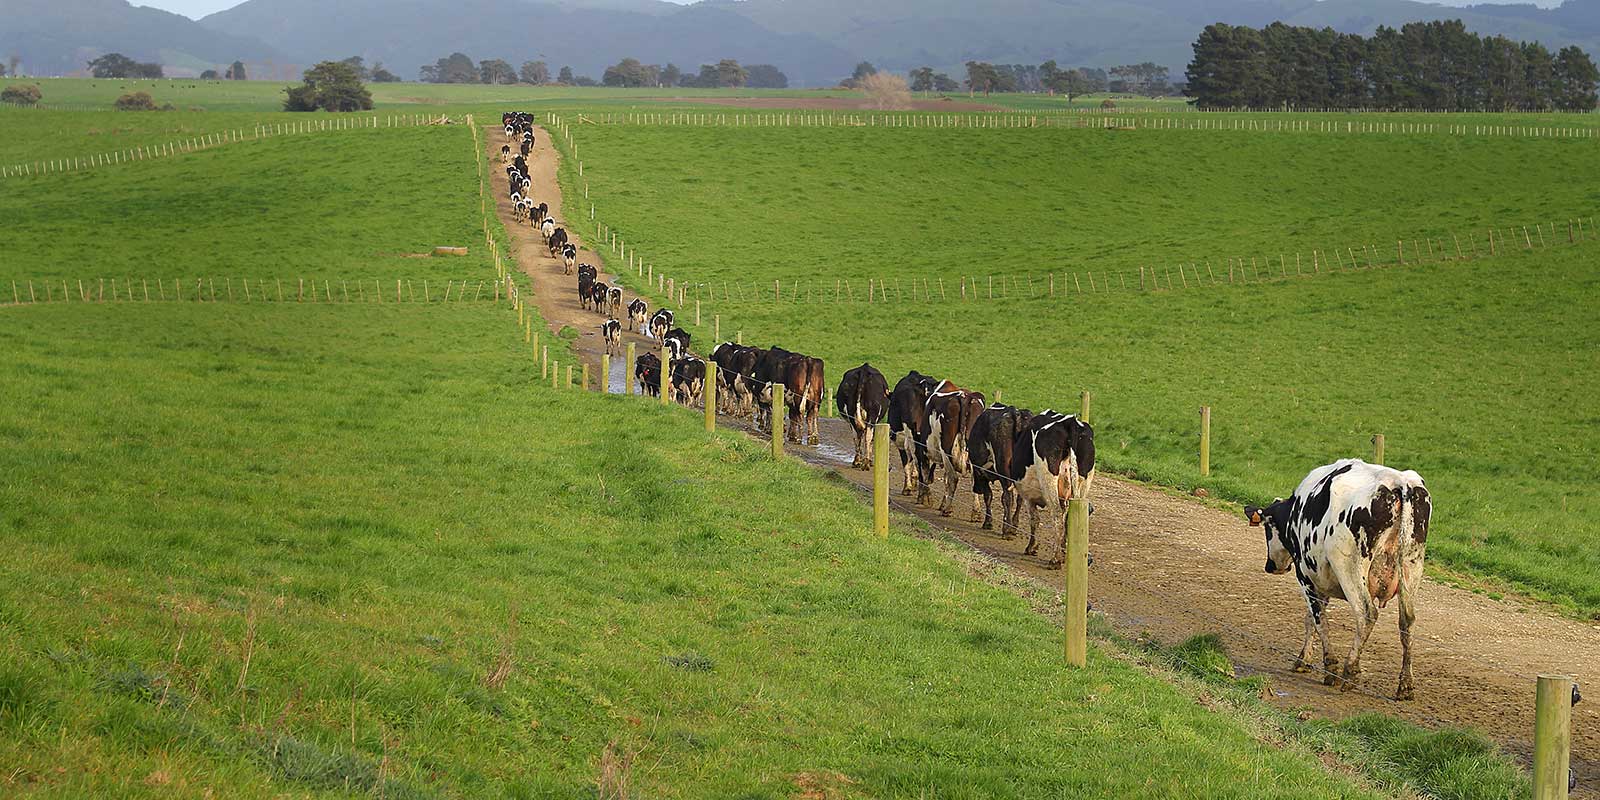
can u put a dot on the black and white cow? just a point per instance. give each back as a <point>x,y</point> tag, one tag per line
<point>569,257</point>
<point>908,421</point>
<point>1355,531</point>
<point>736,370</point>
<point>637,311</point>
<point>688,380</point>
<point>558,240</point>
<point>990,445</point>
<point>611,331</point>
<point>647,369</point>
<point>951,412</point>
<point>505,154</point>
<point>614,301</point>
<point>862,398</point>
<point>547,228</point>
<point>677,342</point>
<point>1052,462</point>
<point>660,324</point>
<point>598,294</point>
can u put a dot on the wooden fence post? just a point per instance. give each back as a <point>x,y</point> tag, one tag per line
<point>666,367</point>
<point>585,384</point>
<point>1075,615</point>
<point>880,479</point>
<point>627,371</point>
<point>568,384</point>
<point>716,327</point>
<point>1552,737</point>
<point>555,374</point>
<point>1377,448</point>
<point>604,386</point>
<point>776,418</point>
<point>1083,414</point>
<point>1205,441</point>
<point>544,362</point>
<point>710,396</point>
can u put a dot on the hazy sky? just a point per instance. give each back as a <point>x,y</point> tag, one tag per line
<point>200,8</point>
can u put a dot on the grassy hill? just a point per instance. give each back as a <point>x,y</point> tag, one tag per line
<point>1298,371</point>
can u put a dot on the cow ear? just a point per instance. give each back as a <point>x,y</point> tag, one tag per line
<point>1253,514</point>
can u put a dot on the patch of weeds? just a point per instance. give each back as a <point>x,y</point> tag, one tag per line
<point>312,765</point>
<point>691,661</point>
<point>141,684</point>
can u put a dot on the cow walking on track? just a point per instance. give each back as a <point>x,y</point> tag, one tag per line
<point>990,446</point>
<point>952,411</point>
<point>908,419</point>
<point>1355,531</point>
<point>862,398</point>
<point>1052,462</point>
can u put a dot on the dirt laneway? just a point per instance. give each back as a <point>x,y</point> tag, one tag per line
<point>1171,567</point>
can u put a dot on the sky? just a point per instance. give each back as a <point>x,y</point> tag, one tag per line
<point>198,8</point>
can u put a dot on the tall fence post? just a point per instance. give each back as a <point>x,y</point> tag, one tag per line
<point>627,371</point>
<point>605,374</point>
<point>1076,614</point>
<point>1083,414</point>
<point>585,385</point>
<point>1377,448</point>
<point>1552,737</point>
<point>555,373</point>
<point>662,379</point>
<point>716,327</point>
<point>776,418</point>
<point>709,395</point>
<point>880,479</point>
<point>544,362</point>
<point>1205,441</point>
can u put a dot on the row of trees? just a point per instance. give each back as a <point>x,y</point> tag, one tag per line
<point>117,65</point>
<point>235,72</point>
<point>330,86</point>
<point>1423,65</point>
<point>629,72</point>
<point>1147,79</point>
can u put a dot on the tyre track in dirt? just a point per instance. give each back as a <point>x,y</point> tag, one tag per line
<point>1171,567</point>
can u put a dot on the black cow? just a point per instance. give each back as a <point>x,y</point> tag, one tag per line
<point>862,398</point>
<point>636,314</point>
<point>951,412</point>
<point>990,446</point>
<point>736,367</point>
<point>908,421</point>
<point>1052,461</point>
<point>768,370</point>
<point>586,281</point>
<point>558,240</point>
<point>647,369</point>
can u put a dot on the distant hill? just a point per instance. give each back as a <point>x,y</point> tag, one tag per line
<point>816,42</point>
<point>57,37</point>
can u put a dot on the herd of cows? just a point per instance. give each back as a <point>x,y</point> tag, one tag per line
<point>1351,530</point>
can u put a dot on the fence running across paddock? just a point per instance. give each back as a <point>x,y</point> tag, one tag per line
<point>208,141</point>
<point>1111,119</point>
<point>253,290</point>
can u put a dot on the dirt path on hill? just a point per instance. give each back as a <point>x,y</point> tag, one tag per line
<point>1171,567</point>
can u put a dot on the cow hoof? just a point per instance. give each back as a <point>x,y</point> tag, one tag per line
<point>1052,565</point>
<point>987,526</point>
<point>1030,551</point>
<point>1405,692</point>
<point>1330,671</point>
<point>1300,665</point>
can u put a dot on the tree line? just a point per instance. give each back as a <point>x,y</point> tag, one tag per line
<point>1147,78</point>
<point>627,73</point>
<point>1423,65</point>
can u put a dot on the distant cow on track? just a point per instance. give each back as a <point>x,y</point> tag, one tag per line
<point>863,399</point>
<point>908,418</point>
<point>1355,531</point>
<point>611,331</point>
<point>636,314</point>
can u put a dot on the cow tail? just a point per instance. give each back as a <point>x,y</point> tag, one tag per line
<point>1403,547</point>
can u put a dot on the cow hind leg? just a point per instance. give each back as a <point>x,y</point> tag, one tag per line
<point>1033,531</point>
<point>1406,690</point>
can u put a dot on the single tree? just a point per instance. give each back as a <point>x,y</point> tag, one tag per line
<point>1576,80</point>
<point>329,86</point>
<point>670,75</point>
<point>565,76</point>
<point>497,71</point>
<point>860,74</point>
<point>922,79</point>
<point>766,76</point>
<point>209,75</point>
<point>944,83</point>
<point>380,74</point>
<point>112,65</point>
<point>886,91</point>
<point>535,72</point>
<point>456,68</point>
<point>235,72</point>
<point>626,73</point>
<point>730,74</point>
